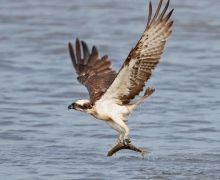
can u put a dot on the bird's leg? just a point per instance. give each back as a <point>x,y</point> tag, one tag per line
<point>124,131</point>
<point>117,128</point>
<point>126,138</point>
<point>123,139</point>
<point>120,137</point>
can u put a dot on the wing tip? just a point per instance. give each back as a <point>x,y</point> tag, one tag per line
<point>77,39</point>
<point>70,45</point>
<point>149,13</point>
<point>158,15</point>
<point>105,57</point>
<point>86,52</point>
<point>94,50</point>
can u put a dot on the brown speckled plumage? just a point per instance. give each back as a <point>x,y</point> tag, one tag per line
<point>96,74</point>
<point>144,57</point>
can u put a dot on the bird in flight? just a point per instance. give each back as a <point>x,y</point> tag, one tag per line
<point>112,93</point>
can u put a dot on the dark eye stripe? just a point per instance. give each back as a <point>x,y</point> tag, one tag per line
<point>85,106</point>
<point>82,107</point>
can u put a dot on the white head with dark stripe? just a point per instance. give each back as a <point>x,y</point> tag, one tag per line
<point>82,105</point>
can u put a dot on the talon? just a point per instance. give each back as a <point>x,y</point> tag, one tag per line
<point>126,141</point>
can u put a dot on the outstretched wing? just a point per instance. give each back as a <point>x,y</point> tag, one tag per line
<point>93,72</point>
<point>142,59</point>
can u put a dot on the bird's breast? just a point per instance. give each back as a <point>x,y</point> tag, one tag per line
<point>101,116</point>
<point>109,110</point>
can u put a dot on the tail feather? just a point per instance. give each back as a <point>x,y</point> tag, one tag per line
<point>149,91</point>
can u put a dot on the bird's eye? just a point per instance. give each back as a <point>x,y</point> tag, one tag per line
<point>81,107</point>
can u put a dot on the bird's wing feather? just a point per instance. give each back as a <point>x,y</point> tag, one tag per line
<point>142,59</point>
<point>93,72</point>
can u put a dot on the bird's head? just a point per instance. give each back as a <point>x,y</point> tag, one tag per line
<point>83,105</point>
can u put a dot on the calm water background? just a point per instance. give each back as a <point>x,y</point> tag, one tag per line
<point>180,123</point>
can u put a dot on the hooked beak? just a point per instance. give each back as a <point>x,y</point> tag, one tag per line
<point>71,106</point>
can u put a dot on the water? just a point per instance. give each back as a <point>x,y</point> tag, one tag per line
<point>41,139</point>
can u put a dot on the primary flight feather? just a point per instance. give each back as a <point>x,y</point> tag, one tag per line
<point>110,92</point>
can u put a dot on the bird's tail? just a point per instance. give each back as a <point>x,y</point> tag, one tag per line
<point>149,91</point>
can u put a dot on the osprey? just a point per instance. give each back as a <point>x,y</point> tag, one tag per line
<point>111,93</point>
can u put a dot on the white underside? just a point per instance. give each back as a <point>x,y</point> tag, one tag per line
<point>114,115</point>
